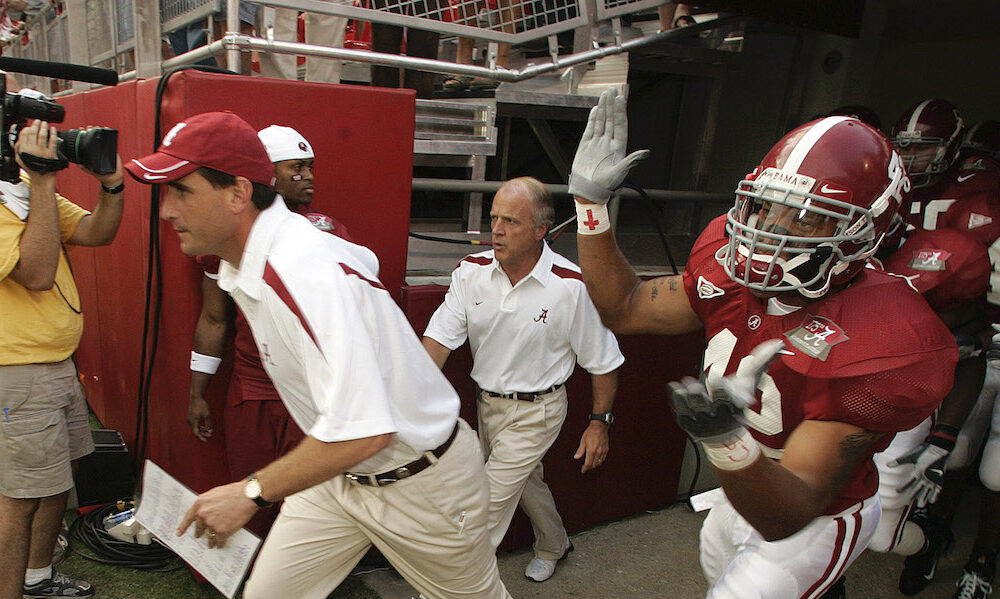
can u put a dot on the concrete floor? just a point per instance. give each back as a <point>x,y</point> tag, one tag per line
<point>656,555</point>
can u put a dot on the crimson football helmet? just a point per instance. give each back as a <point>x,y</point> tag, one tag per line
<point>815,209</point>
<point>928,136</point>
<point>983,138</point>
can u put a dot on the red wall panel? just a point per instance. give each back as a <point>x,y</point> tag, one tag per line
<point>643,466</point>
<point>363,138</point>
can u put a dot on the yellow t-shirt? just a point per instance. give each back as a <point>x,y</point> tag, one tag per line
<point>38,327</point>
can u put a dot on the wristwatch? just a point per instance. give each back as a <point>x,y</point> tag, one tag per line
<point>605,417</point>
<point>252,490</point>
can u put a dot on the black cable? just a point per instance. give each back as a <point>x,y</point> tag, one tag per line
<point>88,531</point>
<point>657,217</point>
<point>447,240</point>
<point>154,276</point>
<point>697,471</point>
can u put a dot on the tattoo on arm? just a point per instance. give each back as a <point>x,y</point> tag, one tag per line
<point>673,283</point>
<point>852,448</point>
<point>655,291</point>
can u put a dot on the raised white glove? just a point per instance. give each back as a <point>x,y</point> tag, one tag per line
<point>928,472</point>
<point>600,165</point>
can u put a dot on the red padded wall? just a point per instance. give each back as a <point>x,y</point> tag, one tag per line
<point>363,138</point>
<point>643,466</point>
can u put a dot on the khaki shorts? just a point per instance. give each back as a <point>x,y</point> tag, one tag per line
<point>43,427</point>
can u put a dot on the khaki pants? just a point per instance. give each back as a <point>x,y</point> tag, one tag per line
<point>43,428</point>
<point>515,435</point>
<point>431,527</point>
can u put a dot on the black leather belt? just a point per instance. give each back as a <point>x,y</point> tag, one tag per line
<point>396,474</point>
<point>524,396</point>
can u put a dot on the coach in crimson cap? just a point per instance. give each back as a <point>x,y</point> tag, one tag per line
<point>386,459</point>
<point>213,155</point>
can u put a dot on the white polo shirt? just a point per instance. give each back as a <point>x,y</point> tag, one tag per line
<point>526,337</point>
<point>340,352</point>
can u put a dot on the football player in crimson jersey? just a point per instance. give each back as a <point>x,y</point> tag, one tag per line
<point>964,197</point>
<point>951,269</point>
<point>792,444</point>
<point>968,202</point>
<point>961,194</point>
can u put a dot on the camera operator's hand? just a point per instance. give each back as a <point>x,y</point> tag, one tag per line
<point>38,140</point>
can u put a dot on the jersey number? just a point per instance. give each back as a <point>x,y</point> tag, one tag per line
<point>932,210</point>
<point>717,356</point>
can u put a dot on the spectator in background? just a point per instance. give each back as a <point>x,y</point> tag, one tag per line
<point>195,35</point>
<point>321,30</point>
<point>388,39</point>
<point>510,12</point>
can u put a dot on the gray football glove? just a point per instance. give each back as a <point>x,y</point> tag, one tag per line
<point>717,417</point>
<point>600,165</point>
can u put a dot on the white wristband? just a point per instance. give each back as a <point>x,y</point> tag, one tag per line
<point>592,219</point>
<point>203,363</point>
<point>741,451</point>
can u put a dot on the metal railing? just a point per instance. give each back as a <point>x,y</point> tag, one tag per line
<point>110,39</point>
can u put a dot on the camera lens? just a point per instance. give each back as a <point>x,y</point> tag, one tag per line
<point>95,148</point>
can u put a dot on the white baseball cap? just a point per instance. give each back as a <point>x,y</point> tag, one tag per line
<point>284,143</point>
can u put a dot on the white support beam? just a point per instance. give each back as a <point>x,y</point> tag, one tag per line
<point>76,37</point>
<point>147,38</point>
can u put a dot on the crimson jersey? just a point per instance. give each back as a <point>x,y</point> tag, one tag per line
<point>847,362</point>
<point>950,268</point>
<point>255,384</point>
<point>967,198</point>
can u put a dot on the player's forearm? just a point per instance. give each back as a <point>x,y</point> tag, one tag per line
<point>957,405</point>
<point>312,462</point>
<point>775,501</point>
<point>209,337</point>
<point>609,277</point>
<point>209,341</point>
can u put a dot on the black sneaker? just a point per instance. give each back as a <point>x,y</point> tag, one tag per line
<point>919,568</point>
<point>972,586</point>
<point>837,590</point>
<point>59,585</point>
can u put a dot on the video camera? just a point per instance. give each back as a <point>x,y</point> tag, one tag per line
<point>95,148</point>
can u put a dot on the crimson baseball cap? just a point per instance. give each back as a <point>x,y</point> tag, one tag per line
<point>217,140</point>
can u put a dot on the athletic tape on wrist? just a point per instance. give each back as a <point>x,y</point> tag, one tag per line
<point>203,363</point>
<point>737,454</point>
<point>592,219</point>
